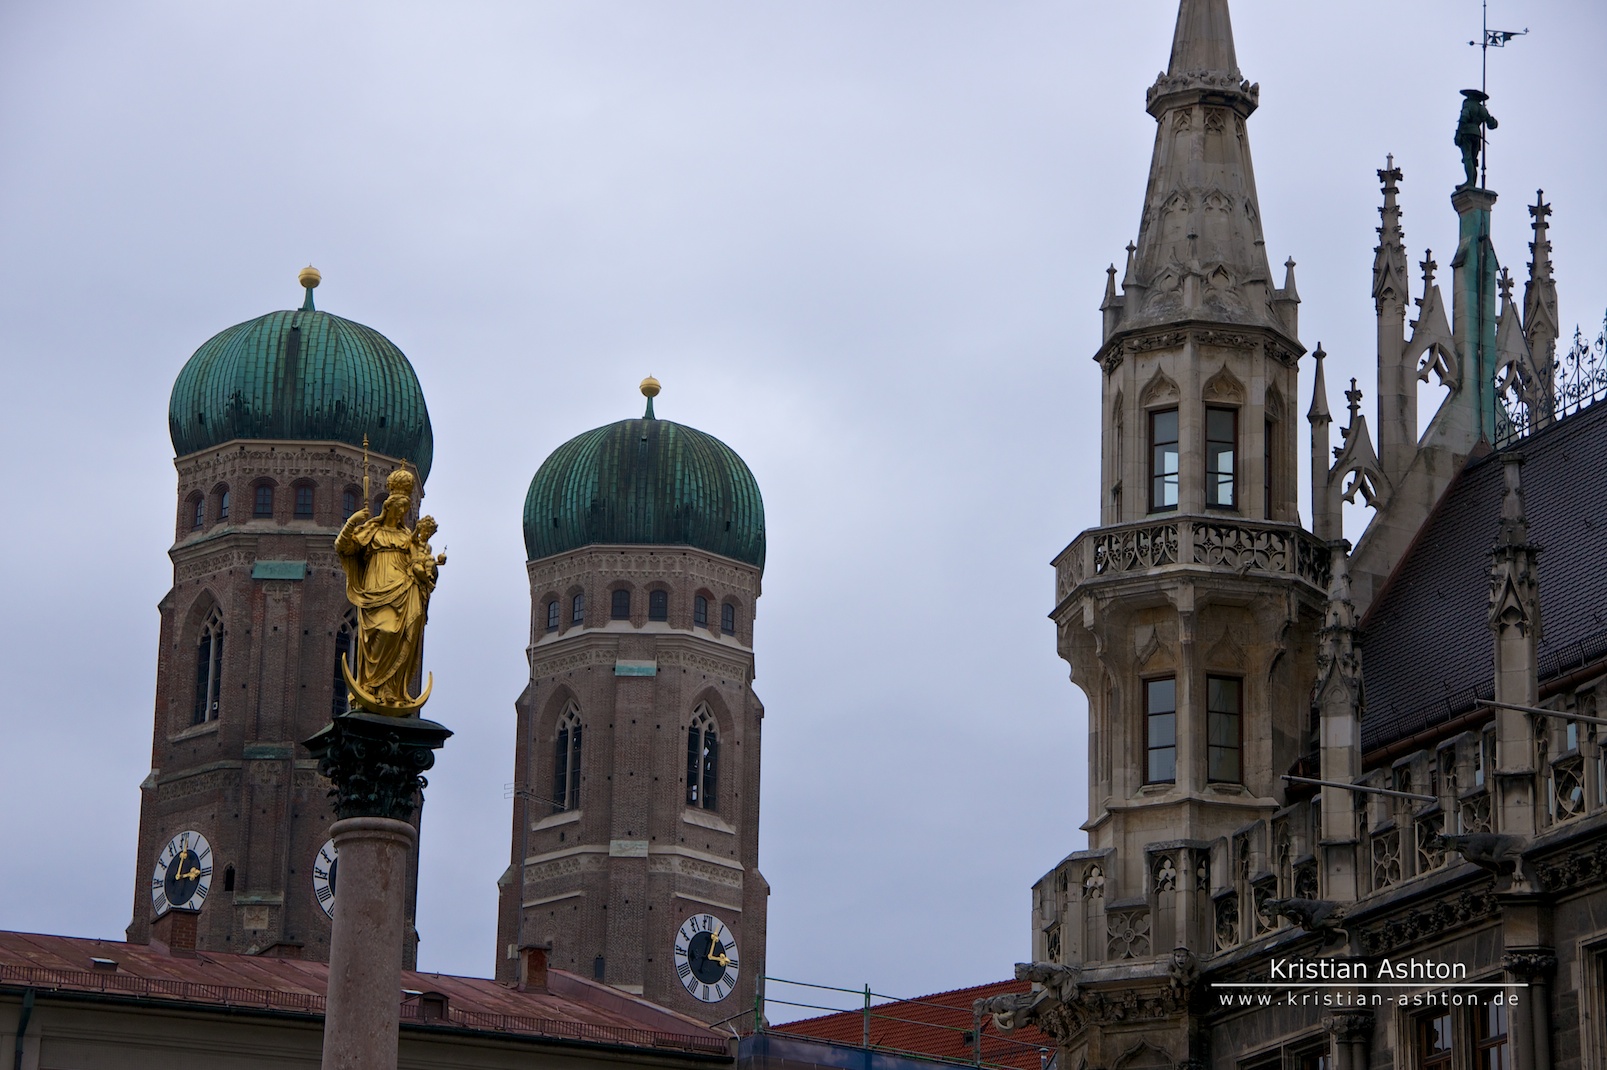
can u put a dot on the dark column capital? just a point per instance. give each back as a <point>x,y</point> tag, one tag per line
<point>376,764</point>
<point>1351,1025</point>
<point>1530,963</point>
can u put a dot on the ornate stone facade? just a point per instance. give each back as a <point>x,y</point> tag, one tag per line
<point>1303,755</point>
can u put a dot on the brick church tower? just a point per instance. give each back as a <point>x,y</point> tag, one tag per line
<point>268,420</point>
<point>636,812</point>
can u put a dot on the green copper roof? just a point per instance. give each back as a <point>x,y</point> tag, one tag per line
<point>303,375</point>
<point>649,482</point>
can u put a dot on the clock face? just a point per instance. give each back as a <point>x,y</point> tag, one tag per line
<point>323,877</point>
<point>183,873</point>
<point>706,957</point>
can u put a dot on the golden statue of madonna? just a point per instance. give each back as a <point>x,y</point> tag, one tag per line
<point>390,575</point>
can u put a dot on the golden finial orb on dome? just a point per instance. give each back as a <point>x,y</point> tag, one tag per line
<point>650,387</point>
<point>309,277</point>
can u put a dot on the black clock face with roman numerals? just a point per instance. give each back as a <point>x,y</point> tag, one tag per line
<point>323,877</point>
<point>183,873</point>
<point>706,957</point>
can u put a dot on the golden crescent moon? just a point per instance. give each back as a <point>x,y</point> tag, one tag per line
<point>363,700</point>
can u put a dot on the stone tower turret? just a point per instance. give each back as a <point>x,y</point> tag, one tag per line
<point>1190,616</point>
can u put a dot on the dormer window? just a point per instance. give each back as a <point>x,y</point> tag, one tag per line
<point>1221,442</point>
<point>1163,460</point>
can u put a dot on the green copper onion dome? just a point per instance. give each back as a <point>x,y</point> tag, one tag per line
<point>303,375</point>
<point>645,482</point>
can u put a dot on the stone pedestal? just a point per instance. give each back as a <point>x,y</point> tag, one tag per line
<point>365,948</point>
<point>375,765</point>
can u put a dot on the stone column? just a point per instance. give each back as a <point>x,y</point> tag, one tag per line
<point>1352,1032</point>
<point>365,946</point>
<point>1530,1025</point>
<point>374,764</point>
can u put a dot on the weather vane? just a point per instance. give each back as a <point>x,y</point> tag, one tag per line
<point>1488,39</point>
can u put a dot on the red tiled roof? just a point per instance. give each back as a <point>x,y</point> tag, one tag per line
<point>934,1026</point>
<point>573,1008</point>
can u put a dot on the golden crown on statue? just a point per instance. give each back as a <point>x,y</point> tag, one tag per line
<point>399,482</point>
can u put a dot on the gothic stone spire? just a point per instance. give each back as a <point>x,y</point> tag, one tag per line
<point>1540,323</point>
<point>1200,253</point>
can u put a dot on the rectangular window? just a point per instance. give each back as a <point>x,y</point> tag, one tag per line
<point>1221,439</point>
<point>560,771</point>
<point>1224,710</point>
<point>1266,469</point>
<point>1160,730</point>
<point>1494,1053</point>
<point>1434,1042</point>
<point>203,679</point>
<point>566,768</point>
<point>694,766</point>
<point>303,503</point>
<point>1163,464</point>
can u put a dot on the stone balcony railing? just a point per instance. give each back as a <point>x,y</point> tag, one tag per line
<point>1192,542</point>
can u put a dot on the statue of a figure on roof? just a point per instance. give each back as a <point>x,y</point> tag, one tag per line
<point>1470,126</point>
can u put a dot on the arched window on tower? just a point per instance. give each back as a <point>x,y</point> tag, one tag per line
<point>566,761</point>
<point>700,611</point>
<point>223,503</point>
<point>197,513</point>
<point>728,618</point>
<point>345,650</point>
<point>658,605</point>
<point>702,761</point>
<point>349,499</point>
<point>552,614</point>
<point>621,607</point>
<point>577,609</point>
<point>304,501</point>
<point>262,502</point>
<point>208,669</point>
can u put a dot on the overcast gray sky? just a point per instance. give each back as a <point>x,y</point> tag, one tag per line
<point>863,243</point>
